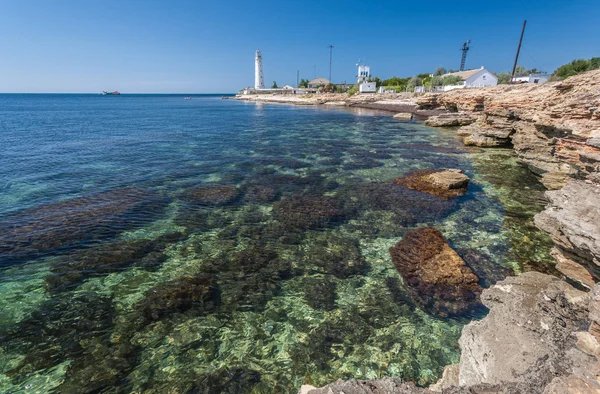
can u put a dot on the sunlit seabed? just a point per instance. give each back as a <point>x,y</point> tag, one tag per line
<point>287,304</point>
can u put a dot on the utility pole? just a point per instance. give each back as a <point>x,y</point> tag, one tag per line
<point>297,78</point>
<point>518,51</point>
<point>330,56</point>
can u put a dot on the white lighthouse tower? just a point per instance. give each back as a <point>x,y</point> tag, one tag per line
<point>363,76</point>
<point>259,82</point>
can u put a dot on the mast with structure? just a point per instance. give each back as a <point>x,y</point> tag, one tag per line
<point>259,82</point>
<point>465,48</point>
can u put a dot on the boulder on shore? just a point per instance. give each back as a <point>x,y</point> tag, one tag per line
<point>437,278</point>
<point>404,116</point>
<point>440,183</point>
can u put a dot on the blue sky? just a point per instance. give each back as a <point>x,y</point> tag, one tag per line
<point>205,46</point>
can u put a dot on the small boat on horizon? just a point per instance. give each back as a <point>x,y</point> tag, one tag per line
<point>115,93</point>
<point>187,98</point>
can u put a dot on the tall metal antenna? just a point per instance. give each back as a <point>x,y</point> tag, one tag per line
<point>297,78</point>
<point>330,56</point>
<point>518,51</point>
<point>465,49</point>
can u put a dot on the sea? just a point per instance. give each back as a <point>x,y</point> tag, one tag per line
<point>157,244</point>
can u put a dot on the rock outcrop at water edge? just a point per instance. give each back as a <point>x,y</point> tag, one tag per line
<point>437,278</point>
<point>548,124</point>
<point>572,218</point>
<point>541,336</point>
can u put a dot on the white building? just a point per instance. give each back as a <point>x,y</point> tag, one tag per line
<point>318,82</point>
<point>477,78</point>
<point>532,78</point>
<point>259,82</point>
<point>364,86</point>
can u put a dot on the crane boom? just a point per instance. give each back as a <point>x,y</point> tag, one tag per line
<point>464,49</point>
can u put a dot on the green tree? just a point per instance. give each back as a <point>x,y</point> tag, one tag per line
<point>503,78</point>
<point>439,71</point>
<point>303,83</point>
<point>330,88</point>
<point>353,90</point>
<point>395,81</point>
<point>521,71</point>
<point>451,80</point>
<point>414,81</point>
<point>378,82</point>
<point>274,86</point>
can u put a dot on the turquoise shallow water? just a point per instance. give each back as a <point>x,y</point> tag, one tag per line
<point>156,244</point>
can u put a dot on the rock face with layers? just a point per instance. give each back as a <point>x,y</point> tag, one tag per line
<point>436,276</point>
<point>547,124</point>
<point>451,119</point>
<point>440,183</point>
<point>572,218</point>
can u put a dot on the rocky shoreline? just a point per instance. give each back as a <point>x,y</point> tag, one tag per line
<point>542,333</point>
<point>540,336</point>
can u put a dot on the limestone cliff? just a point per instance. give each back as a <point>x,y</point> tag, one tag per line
<point>552,126</point>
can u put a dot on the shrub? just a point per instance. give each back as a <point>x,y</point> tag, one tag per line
<point>576,67</point>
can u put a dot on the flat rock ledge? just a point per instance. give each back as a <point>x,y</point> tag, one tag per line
<point>440,183</point>
<point>451,120</point>
<point>541,336</point>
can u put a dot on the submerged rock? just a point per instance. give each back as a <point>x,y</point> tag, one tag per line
<point>334,255</point>
<point>309,211</point>
<point>411,206</point>
<point>260,194</point>
<point>212,195</point>
<point>249,278</point>
<point>483,266</point>
<point>68,224</point>
<point>60,330</point>
<point>437,278</point>
<point>199,292</point>
<point>440,183</point>
<point>110,257</point>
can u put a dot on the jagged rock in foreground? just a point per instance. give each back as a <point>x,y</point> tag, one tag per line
<point>572,218</point>
<point>547,124</point>
<point>541,336</point>
<point>436,277</point>
<point>440,183</point>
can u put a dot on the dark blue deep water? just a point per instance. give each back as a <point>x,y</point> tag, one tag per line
<point>154,244</point>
